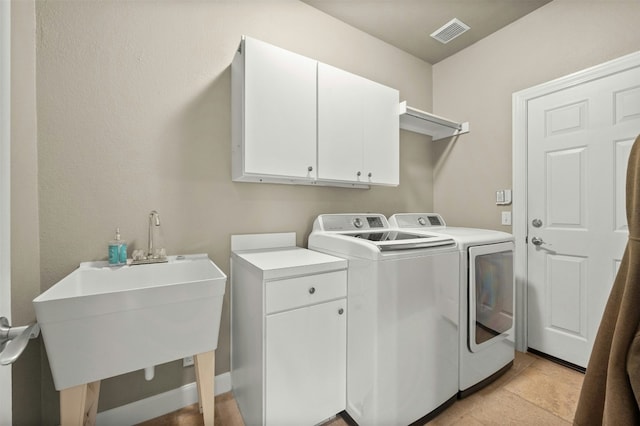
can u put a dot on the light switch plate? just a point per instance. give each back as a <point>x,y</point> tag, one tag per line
<point>506,218</point>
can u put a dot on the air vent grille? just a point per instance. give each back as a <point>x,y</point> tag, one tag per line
<point>449,31</point>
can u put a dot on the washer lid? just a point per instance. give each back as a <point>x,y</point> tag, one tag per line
<point>400,240</point>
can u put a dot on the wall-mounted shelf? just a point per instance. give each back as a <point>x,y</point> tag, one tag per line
<point>426,123</point>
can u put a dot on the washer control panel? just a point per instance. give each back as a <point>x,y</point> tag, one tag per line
<point>351,222</point>
<point>417,220</point>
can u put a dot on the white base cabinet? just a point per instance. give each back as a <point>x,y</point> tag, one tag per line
<point>288,333</point>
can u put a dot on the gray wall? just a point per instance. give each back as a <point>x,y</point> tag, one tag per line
<point>133,107</point>
<point>476,84</point>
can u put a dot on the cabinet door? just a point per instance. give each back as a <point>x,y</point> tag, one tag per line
<point>358,128</point>
<point>279,112</point>
<point>340,124</point>
<point>306,364</point>
<point>381,148</point>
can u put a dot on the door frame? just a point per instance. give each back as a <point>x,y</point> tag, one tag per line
<point>5,195</point>
<point>520,112</point>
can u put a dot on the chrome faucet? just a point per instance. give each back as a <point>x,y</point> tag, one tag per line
<point>153,255</point>
<point>153,215</point>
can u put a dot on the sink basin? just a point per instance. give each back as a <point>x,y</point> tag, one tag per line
<point>101,321</point>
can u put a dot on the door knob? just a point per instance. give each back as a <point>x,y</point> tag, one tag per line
<point>537,241</point>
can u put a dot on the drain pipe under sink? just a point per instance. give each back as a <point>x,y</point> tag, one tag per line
<point>149,373</point>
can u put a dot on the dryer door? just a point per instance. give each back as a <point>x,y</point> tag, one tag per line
<point>491,294</point>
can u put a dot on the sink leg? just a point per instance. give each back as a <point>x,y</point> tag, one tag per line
<point>205,373</point>
<point>79,404</point>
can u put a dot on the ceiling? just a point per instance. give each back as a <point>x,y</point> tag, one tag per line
<point>407,24</point>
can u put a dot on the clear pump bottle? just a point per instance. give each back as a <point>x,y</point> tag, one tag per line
<point>117,250</point>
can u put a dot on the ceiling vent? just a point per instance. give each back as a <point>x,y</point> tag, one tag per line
<point>449,31</point>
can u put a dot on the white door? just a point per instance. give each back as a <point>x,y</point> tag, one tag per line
<point>578,143</point>
<point>5,275</point>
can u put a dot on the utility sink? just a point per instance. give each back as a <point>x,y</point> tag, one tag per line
<point>101,321</point>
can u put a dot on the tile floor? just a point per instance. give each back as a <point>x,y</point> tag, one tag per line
<point>535,391</point>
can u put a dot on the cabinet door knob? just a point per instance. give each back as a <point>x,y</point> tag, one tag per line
<point>370,174</point>
<point>340,311</point>
<point>358,174</point>
<point>312,290</point>
<point>310,168</point>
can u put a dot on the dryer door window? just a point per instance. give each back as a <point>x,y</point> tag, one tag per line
<point>491,294</point>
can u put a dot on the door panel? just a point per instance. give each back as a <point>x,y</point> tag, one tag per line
<point>578,143</point>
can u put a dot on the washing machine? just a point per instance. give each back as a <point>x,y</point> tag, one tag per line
<point>487,297</point>
<point>402,324</point>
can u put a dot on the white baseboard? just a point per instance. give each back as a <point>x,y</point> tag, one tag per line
<point>158,405</point>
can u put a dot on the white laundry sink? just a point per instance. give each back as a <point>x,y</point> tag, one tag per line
<point>101,321</point>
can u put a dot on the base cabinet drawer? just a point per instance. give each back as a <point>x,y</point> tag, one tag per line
<point>292,293</point>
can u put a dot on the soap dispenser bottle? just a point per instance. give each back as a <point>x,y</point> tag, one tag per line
<point>117,250</point>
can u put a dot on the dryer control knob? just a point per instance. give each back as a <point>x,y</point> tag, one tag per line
<point>357,222</point>
<point>422,221</point>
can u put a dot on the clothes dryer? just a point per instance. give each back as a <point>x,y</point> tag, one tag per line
<point>402,325</point>
<point>487,297</point>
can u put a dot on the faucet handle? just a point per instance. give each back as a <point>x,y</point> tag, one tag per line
<point>159,253</point>
<point>138,254</point>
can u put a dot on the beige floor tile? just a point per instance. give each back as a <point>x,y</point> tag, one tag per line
<point>501,381</point>
<point>559,372</point>
<point>523,360</point>
<point>534,391</point>
<point>467,420</point>
<point>457,411</point>
<point>553,389</point>
<point>505,408</point>
<point>226,411</point>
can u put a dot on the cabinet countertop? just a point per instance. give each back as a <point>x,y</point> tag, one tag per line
<point>290,261</point>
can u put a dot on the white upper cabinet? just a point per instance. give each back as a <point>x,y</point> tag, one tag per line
<point>296,120</point>
<point>358,122</point>
<point>274,113</point>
